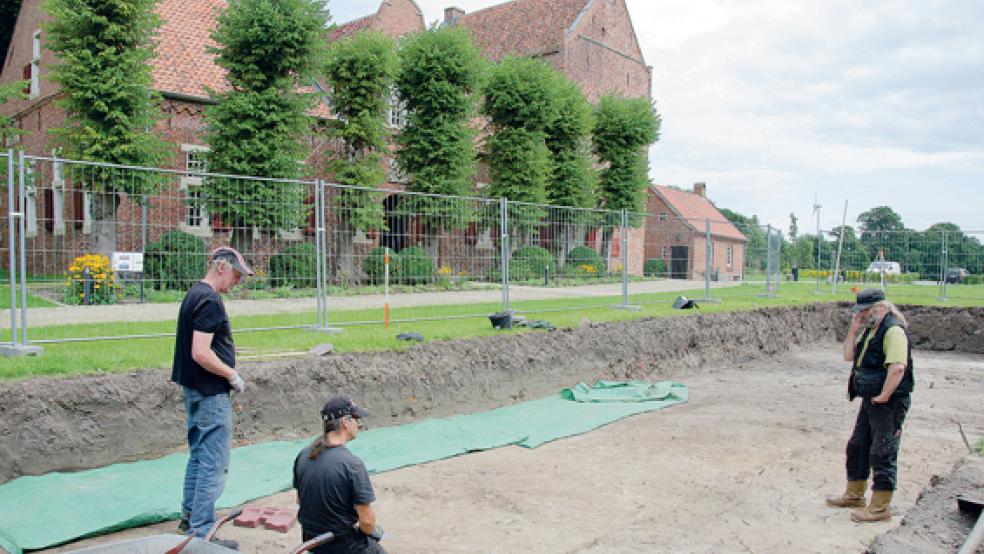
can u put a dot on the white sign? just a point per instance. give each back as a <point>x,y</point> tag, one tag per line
<point>127,261</point>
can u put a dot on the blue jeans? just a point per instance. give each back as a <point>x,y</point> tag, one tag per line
<point>209,429</point>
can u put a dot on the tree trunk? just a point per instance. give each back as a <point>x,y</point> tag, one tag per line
<point>345,253</point>
<point>103,207</point>
<point>607,237</point>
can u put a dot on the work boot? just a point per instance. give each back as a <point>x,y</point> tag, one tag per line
<point>853,496</point>
<point>183,524</point>
<point>877,510</point>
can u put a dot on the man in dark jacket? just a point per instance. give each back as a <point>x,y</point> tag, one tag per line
<point>878,345</point>
<point>333,488</point>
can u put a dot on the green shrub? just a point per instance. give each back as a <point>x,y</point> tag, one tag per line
<point>529,262</point>
<point>582,260</point>
<point>295,266</point>
<point>414,266</point>
<point>374,265</point>
<point>175,261</point>
<point>654,267</point>
<point>973,280</point>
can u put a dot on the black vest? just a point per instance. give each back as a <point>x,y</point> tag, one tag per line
<point>869,372</point>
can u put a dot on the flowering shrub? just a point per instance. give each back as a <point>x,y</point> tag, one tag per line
<point>102,280</point>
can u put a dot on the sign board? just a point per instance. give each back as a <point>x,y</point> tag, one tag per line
<point>127,261</point>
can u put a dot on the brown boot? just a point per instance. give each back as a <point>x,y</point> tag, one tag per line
<point>876,511</point>
<point>853,497</point>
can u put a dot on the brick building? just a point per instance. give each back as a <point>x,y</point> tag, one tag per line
<point>592,41</point>
<point>676,232</point>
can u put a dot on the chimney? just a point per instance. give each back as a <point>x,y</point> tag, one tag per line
<point>452,14</point>
<point>700,189</point>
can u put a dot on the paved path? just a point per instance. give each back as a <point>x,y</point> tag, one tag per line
<point>168,312</point>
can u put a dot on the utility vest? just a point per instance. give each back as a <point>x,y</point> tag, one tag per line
<point>869,372</point>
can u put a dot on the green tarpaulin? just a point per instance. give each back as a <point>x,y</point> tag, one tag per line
<point>38,512</point>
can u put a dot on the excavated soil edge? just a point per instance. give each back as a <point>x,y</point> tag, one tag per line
<point>49,424</point>
<point>935,524</point>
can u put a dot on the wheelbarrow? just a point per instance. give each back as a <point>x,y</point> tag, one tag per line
<point>178,544</point>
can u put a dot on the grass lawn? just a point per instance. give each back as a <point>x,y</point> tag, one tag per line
<point>32,301</point>
<point>363,330</point>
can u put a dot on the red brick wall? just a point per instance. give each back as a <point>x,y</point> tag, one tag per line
<point>602,55</point>
<point>396,18</point>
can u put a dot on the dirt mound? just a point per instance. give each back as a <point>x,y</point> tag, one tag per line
<point>49,424</point>
<point>935,524</point>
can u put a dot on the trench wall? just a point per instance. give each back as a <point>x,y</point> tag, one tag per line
<point>49,424</point>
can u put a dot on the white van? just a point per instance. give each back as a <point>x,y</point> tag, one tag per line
<point>886,267</point>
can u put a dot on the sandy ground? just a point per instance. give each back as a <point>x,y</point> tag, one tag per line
<point>743,467</point>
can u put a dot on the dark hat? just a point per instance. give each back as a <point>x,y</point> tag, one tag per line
<point>867,298</point>
<point>232,256</point>
<point>341,406</point>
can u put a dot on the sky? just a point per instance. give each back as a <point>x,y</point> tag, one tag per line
<point>781,105</point>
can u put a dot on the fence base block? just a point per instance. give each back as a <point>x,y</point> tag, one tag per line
<point>14,350</point>
<point>329,330</point>
<point>628,307</point>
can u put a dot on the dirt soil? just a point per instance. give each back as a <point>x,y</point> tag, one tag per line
<point>742,467</point>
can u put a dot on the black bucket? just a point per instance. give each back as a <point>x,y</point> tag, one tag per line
<point>501,320</point>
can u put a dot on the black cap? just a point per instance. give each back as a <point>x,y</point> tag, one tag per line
<point>341,406</point>
<point>234,258</point>
<point>868,298</point>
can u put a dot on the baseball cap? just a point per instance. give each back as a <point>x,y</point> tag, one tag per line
<point>868,298</point>
<point>341,406</point>
<point>232,256</point>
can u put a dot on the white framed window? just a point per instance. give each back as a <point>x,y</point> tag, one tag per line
<point>394,173</point>
<point>731,254</point>
<point>195,218</point>
<point>35,86</point>
<point>57,194</point>
<point>661,216</point>
<point>396,110</point>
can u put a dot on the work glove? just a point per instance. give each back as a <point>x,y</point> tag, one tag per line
<point>236,382</point>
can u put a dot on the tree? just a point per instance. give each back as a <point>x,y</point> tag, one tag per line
<point>440,73</point>
<point>853,254</point>
<point>757,245</point>
<point>882,232</point>
<point>520,102</point>
<point>104,49</point>
<point>572,179</point>
<point>623,128</point>
<point>7,127</point>
<point>359,72</point>
<point>793,226</point>
<point>268,48</point>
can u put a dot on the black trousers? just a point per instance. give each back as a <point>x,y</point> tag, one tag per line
<point>347,542</point>
<point>874,445</point>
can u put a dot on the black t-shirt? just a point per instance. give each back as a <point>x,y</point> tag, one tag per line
<point>202,310</point>
<point>329,487</point>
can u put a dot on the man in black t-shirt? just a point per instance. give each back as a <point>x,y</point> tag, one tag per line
<point>333,488</point>
<point>204,362</point>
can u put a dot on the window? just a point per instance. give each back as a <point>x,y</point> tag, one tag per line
<point>394,172</point>
<point>35,83</point>
<point>195,218</point>
<point>396,110</point>
<point>55,210</point>
<point>731,254</point>
<point>661,216</point>
<point>662,251</point>
<point>31,200</point>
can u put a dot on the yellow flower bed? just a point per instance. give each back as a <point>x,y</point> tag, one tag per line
<point>102,280</point>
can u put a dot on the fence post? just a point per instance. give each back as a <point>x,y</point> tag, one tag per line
<point>768,260</point>
<point>778,264</point>
<point>318,254</point>
<point>322,228</point>
<point>23,347</point>
<point>707,259</point>
<point>12,246</point>
<point>625,258</point>
<point>504,244</point>
<point>943,263</point>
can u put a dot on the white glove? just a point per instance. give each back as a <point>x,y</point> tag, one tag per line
<point>236,382</point>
